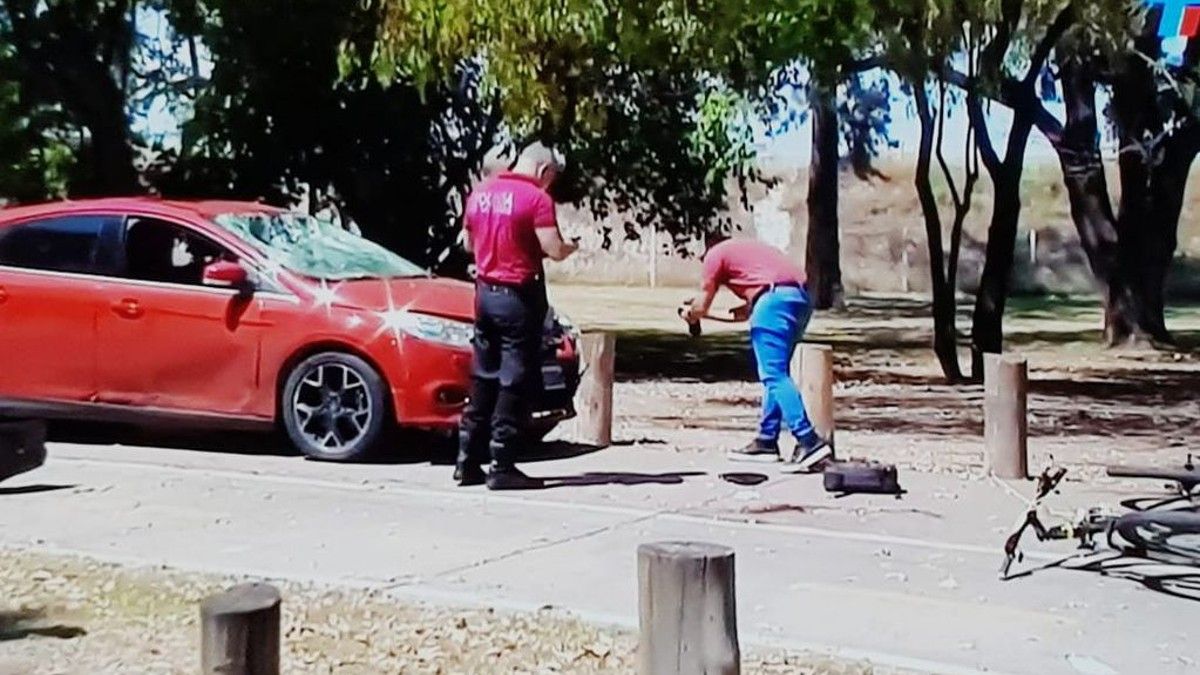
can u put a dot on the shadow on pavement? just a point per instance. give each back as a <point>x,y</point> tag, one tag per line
<point>545,452</point>
<point>232,442</point>
<point>1173,580</point>
<point>24,623</point>
<point>33,489</point>
<point>620,478</point>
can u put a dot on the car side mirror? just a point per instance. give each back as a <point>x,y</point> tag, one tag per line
<point>227,274</point>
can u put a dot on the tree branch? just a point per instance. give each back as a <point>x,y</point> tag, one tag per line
<point>937,148</point>
<point>992,57</point>
<point>1062,22</point>
<point>1048,124</point>
<point>987,151</point>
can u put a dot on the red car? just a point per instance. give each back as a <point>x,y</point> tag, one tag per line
<point>237,314</point>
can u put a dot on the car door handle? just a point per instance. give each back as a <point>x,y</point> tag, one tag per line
<point>3,295</point>
<point>128,308</point>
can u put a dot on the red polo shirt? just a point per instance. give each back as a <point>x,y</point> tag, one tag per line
<point>747,266</point>
<point>502,216</point>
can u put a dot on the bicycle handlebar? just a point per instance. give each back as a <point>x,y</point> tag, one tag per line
<point>1187,479</point>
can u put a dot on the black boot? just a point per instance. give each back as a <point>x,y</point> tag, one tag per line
<point>473,436</point>
<point>469,473</point>
<point>509,477</point>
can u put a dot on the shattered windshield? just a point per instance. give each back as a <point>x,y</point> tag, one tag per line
<point>316,248</point>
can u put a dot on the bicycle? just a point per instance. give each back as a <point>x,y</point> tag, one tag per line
<point>1152,533</point>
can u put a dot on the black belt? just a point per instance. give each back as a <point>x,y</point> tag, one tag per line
<point>771,287</point>
<point>506,287</point>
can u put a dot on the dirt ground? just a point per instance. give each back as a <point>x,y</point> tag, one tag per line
<point>1089,406</point>
<point>88,618</point>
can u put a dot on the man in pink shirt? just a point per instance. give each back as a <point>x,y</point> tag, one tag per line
<point>511,226</point>
<point>778,309</point>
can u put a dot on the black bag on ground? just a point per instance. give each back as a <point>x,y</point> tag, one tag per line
<point>862,476</point>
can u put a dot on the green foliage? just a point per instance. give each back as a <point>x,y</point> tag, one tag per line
<point>36,159</point>
<point>532,47</point>
<point>652,100</point>
<point>281,118</point>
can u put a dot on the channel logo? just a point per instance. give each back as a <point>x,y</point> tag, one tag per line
<point>1180,18</point>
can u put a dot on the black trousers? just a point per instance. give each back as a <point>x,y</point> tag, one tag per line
<point>505,369</point>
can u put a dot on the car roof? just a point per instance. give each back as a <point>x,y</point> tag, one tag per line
<point>153,205</point>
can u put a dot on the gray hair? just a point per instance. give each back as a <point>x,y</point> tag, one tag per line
<point>498,159</point>
<point>536,158</point>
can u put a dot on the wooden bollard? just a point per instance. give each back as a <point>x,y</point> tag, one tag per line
<point>812,368</point>
<point>239,631</point>
<point>686,610</point>
<point>1005,424</point>
<point>594,425</point>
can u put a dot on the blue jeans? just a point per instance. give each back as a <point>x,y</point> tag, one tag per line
<point>776,325</point>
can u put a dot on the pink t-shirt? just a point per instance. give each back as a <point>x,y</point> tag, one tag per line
<point>747,266</point>
<point>502,216</point>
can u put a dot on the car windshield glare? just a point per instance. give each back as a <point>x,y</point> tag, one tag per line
<point>316,248</point>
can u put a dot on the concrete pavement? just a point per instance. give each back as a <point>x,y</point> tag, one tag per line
<point>910,582</point>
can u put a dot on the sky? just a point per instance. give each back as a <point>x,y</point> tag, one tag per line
<point>794,147</point>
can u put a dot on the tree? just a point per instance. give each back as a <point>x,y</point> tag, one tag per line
<point>858,118</point>
<point>567,72</point>
<point>1152,112</point>
<point>1027,32</point>
<point>76,55</point>
<point>920,48</point>
<point>277,123</point>
<point>35,157</point>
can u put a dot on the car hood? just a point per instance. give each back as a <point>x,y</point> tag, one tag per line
<point>442,297</point>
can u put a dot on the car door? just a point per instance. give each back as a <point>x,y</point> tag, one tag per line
<point>167,341</point>
<point>49,300</point>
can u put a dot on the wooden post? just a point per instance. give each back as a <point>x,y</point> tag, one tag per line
<point>812,368</point>
<point>1005,424</point>
<point>686,610</point>
<point>597,352</point>
<point>240,631</point>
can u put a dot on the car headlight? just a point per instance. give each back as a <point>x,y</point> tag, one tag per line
<point>434,328</point>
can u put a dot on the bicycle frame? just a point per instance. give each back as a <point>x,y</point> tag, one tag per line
<point>1139,529</point>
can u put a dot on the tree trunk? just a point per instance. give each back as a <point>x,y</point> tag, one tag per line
<point>1157,151</point>
<point>987,328</point>
<point>822,256</point>
<point>945,335</point>
<point>1078,149</point>
<point>111,154</point>
<point>1168,184</point>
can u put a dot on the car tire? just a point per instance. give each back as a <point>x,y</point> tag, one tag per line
<point>334,407</point>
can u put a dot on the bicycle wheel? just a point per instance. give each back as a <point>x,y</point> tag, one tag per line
<point>1171,533</point>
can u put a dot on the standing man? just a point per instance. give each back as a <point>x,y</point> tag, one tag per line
<point>510,225</point>
<point>778,309</point>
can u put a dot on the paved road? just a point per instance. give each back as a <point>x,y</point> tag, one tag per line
<point>909,582</point>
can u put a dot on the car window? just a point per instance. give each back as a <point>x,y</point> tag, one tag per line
<point>62,244</point>
<point>156,250</point>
